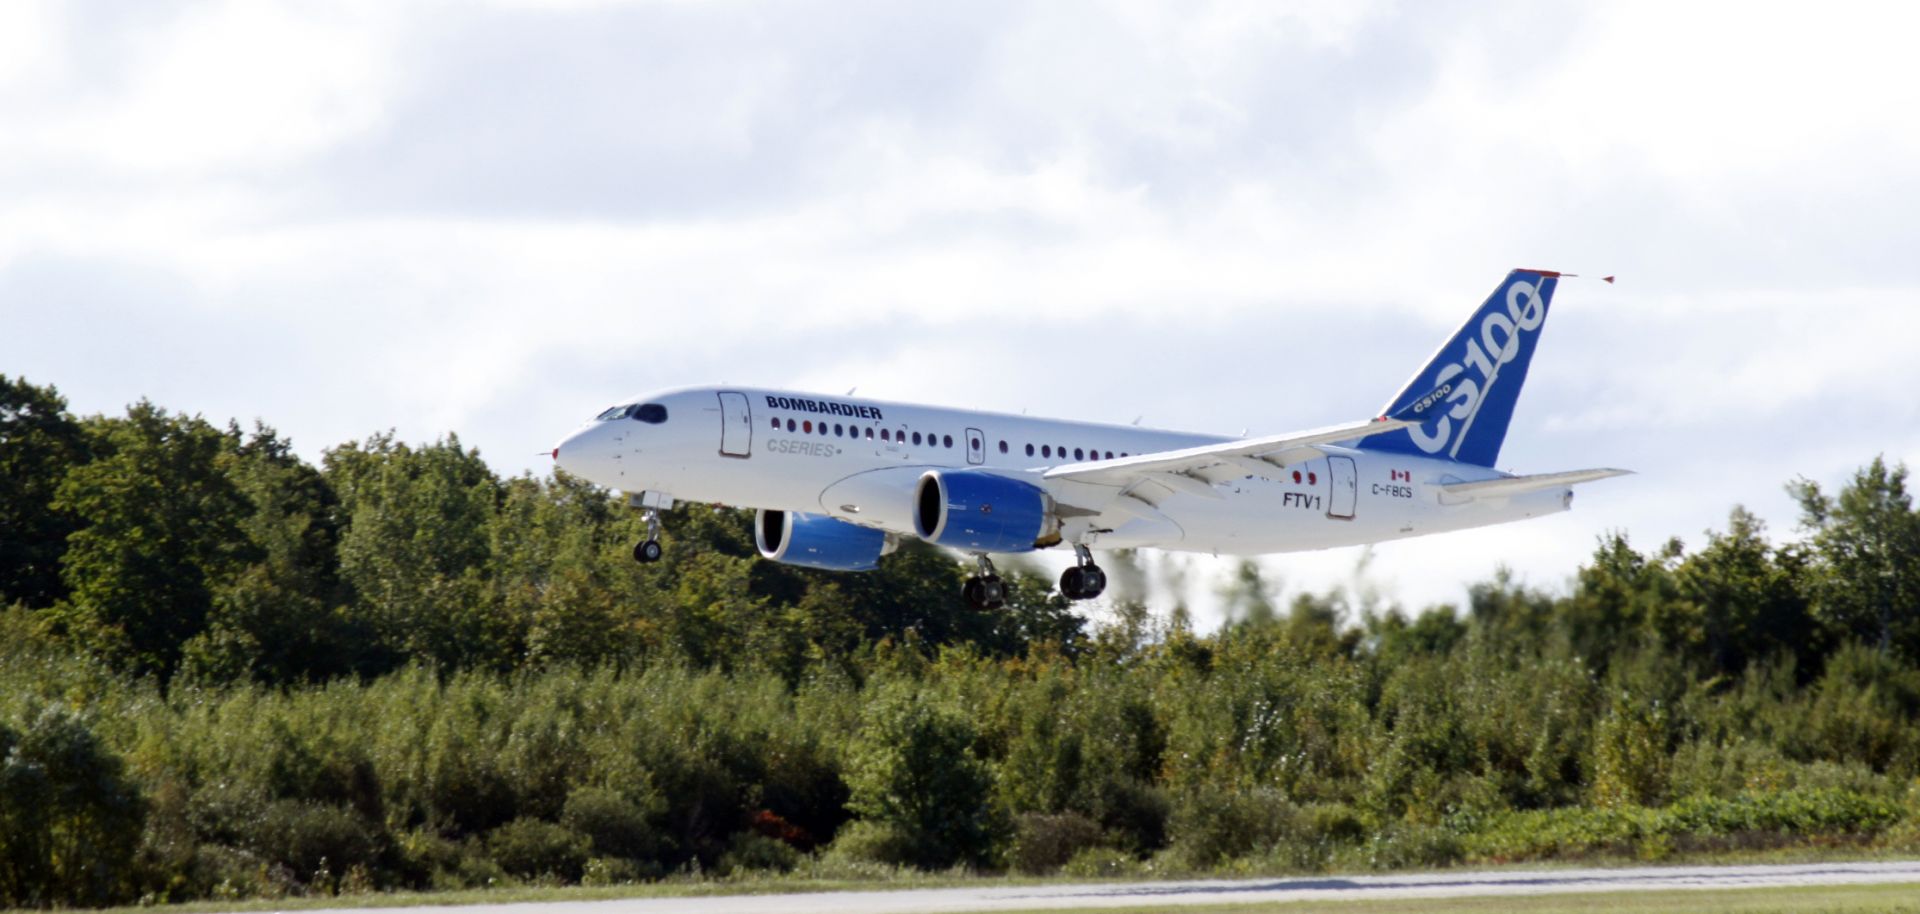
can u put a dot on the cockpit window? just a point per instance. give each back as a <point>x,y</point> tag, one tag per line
<point>651,413</point>
<point>616,412</point>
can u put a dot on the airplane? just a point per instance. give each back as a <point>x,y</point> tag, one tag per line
<point>839,482</point>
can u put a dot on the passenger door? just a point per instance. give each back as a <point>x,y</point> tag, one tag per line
<point>736,425</point>
<point>1346,487</point>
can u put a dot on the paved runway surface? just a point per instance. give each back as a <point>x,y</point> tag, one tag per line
<point>988,897</point>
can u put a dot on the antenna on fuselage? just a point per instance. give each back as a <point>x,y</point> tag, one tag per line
<point>850,390</point>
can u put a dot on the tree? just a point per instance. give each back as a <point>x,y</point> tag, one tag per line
<point>277,619</point>
<point>1867,545</point>
<point>415,552</point>
<point>912,770</point>
<point>39,443</point>
<point>70,819</point>
<point>161,532</point>
<point>1746,596</point>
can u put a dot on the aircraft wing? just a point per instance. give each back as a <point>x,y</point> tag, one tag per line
<point>1508,486</point>
<point>1195,470</point>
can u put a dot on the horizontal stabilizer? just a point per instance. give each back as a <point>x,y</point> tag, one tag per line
<point>1508,486</point>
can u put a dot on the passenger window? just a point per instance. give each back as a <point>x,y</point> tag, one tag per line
<point>1079,454</point>
<point>1029,450</point>
<point>916,438</point>
<point>790,425</point>
<point>807,426</point>
<point>839,431</point>
<point>885,436</point>
<point>776,423</point>
<point>1003,446</point>
<point>1046,450</point>
<point>1109,455</point>
<point>948,439</point>
<point>869,434</point>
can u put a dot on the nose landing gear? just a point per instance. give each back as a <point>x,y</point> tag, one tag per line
<point>985,590</point>
<point>1084,580</point>
<point>648,550</point>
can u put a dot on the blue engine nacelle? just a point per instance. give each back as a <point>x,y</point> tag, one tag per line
<point>982,512</point>
<point>818,542</point>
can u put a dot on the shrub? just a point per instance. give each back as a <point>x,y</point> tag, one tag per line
<point>1044,843</point>
<point>613,825</point>
<point>1102,863</point>
<point>318,843</point>
<point>1212,826</point>
<point>912,768</point>
<point>532,849</point>
<point>69,818</point>
<point>752,853</point>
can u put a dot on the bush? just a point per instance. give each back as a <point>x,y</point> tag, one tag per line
<point>532,849</point>
<point>70,820</point>
<point>753,853</point>
<point>318,843</point>
<point>865,842</point>
<point>613,825</point>
<point>1102,863</point>
<point>1212,826</point>
<point>912,768</point>
<point>1043,843</point>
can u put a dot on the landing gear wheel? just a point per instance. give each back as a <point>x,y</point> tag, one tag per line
<point>1084,580</point>
<point>985,590</point>
<point>1072,582</point>
<point>646,552</point>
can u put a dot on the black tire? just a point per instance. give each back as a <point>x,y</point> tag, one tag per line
<point>1093,582</point>
<point>994,592</point>
<point>974,591</point>
<point>646,552</point>
<point>1073,582</point>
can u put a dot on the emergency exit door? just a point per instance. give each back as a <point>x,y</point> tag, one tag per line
<point>1345,481</point>
<point>976,447</point>
<point>736,425</point>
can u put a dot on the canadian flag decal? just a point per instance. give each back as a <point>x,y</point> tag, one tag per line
<point>1402,475</point>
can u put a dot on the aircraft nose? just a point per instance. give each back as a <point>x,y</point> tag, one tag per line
<point>589,455</point>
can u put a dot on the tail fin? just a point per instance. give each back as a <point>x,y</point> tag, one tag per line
<point>1479,371</point>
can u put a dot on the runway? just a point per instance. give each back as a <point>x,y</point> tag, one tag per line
<point>991,897</point>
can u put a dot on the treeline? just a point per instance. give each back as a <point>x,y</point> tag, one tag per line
<point>227,673</point>
<point>174,548</point>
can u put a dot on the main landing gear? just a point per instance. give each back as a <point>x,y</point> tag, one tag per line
<point>1084,580</point>
<point>985,590</point>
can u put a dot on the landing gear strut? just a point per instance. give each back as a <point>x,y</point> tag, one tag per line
<point>648,550</point>
<point>1084,580</point>
<point>985,590</point>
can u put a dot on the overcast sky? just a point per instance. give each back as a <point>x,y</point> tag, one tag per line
<point>496,219</point>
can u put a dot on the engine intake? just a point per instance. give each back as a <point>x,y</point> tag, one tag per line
<point>981,512</point>
<point>812,541</point>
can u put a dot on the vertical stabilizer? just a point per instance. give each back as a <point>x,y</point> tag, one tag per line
<point>1478,372</point>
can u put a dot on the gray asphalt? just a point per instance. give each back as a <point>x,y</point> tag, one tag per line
<point>990,897</point>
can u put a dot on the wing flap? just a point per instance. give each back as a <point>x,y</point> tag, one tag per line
<point>1508,486</point>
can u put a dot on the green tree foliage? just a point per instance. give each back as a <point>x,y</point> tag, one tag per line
<point>912,770</point>
<point>69,818</point>
<point>39,443</point>
<point>161,532</point>
<point>1866,542</point>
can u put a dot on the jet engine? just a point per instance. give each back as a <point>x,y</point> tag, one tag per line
<point>820,542</point>
<point>983,512</point>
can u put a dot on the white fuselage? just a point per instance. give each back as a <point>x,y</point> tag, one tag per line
<point>858,460</point>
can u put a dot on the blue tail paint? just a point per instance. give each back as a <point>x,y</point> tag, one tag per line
<point>1480,371</point>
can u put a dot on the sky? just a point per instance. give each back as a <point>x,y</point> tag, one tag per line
<point>495,219</point>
